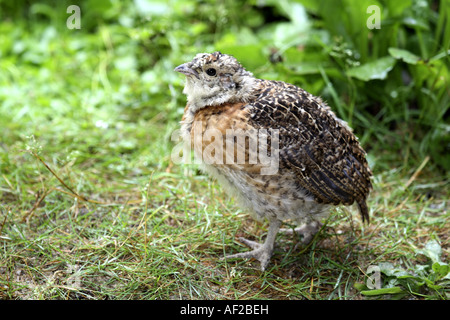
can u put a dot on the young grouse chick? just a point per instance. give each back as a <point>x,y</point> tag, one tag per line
<point>319,161</point>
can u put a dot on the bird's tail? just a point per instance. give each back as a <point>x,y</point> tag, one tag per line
<point>364,210</point>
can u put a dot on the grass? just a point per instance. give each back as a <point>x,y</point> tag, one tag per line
<point>93,208</point>
<point>168,245</point>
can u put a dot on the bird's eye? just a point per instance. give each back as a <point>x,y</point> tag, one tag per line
<point>211,72</point>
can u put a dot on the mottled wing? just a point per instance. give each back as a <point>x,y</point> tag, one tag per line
<point>315,145</point>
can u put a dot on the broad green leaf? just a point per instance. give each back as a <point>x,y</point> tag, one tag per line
<point>432,250</point>
<point>416,23</point>
<point>442,270</point>
<point>377,69</point>
<point>404,55</point>
<point>390,270</point>
<point>288,34</point>
<point>360,286</point>
<point>377,292</point>
<point>250,56</point>
<point>294,11</point>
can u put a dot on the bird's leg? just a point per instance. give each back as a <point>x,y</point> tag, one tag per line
<point>261,252</point>
<point>307,231</point>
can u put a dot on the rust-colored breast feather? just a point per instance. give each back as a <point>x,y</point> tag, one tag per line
<point>217,129</point>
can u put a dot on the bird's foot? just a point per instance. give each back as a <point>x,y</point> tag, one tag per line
<point>307,231</point>
<point>260,252</point>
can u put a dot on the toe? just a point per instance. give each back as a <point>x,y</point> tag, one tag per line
<point>261,253</point>
<point>306,231</point>
<point>250,243</point>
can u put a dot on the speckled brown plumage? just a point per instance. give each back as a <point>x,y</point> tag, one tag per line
<point>319,148</point>
<point>320,161</point>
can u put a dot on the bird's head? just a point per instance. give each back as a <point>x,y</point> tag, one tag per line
<point>214,79</point>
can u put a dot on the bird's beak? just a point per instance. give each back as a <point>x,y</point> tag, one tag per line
<point>185,69</point>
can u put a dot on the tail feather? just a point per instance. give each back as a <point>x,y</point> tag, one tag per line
<point>364,210</point>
